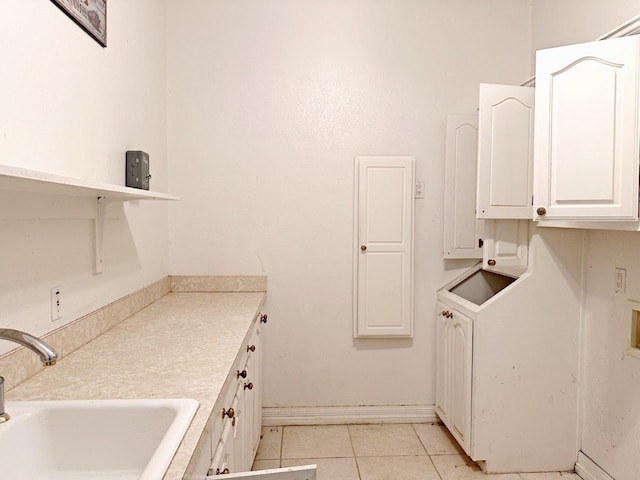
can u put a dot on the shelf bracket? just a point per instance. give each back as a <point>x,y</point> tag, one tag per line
<point>102,203</point>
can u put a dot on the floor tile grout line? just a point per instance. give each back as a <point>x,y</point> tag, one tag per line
<point>428,454</point>
<point>355,458</point>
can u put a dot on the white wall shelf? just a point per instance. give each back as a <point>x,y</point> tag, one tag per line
<point>14,178</point>
<point>24,180</point>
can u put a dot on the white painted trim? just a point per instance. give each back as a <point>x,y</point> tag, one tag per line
<point>274,416</point>
<point>587,469</point>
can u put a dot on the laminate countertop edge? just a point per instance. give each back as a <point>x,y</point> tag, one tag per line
<point>181,346</point>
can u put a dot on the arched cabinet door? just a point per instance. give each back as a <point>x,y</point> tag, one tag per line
<point>462,230</point>
<point>505,152</point>
<point>586,132</point>
<point>453,372</point>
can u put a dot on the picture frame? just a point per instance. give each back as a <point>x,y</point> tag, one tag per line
<point>90,15</point>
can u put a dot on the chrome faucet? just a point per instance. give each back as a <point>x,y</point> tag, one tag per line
<point>47,355</point>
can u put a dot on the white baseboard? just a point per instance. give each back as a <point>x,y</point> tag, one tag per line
<point>274,416</point>
<point>587,469</point>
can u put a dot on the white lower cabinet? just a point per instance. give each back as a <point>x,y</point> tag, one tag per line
<point>236,423</point>
<point>453,372</point>
<point>236,431</point>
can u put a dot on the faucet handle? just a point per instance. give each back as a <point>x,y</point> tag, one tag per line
<point>4,416</point>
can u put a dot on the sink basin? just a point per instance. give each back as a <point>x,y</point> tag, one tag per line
<point>92,439</point>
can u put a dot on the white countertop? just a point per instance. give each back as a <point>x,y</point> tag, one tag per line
<point>181,346</point>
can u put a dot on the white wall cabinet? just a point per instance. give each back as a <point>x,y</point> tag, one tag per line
<point>506,245</point>
<point>587,132</point>
<point>505,151</point>
<point>462,230</point>
<point>383,251</point>
<point>453,372</point>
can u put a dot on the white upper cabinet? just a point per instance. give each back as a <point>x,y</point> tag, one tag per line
<point>586,132</point>
<point>505,151</point>
<point>462,231</point>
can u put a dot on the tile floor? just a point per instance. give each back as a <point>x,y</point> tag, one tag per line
<point>377,452</point>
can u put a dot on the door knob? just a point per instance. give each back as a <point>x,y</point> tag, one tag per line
<point>228,413</point>
<point>248,386</point>
<point>541,211</point>
<point>363,247</point>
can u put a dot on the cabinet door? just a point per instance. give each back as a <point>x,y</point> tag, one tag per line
<point>442,319</point>
<point>462,230</point>
<point>505,151</point>
<point>306,472</point>
<point>586,145</point>
<point>459,339</point>
<point>224,454</point>
<point>453,373</point>
<point>506,244</point>
<point>384,247</point>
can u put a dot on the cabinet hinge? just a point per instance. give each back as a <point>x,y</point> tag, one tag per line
<point>532,200</point>
<point>480,243</point>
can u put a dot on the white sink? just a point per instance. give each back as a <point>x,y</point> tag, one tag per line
<point>92,439</point>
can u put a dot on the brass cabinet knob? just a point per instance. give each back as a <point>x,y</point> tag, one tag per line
<point>263,318</point>
<point>363,247</point>
<point>248,386</point>
<point>491,263</point>
<point>222,472</point>
<point>228,413</point>
<point>446,314</point>
<point>251,348</point>
<point>541,211</point>
<point>242,374</point>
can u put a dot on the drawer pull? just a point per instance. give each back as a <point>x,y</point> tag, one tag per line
<point>248,386</point>
<point>242,374</point>
<point>251,348</point>
<point>228,413</point>
<point>263,318</point>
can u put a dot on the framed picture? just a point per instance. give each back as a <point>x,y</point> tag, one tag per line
<point>91,15</point>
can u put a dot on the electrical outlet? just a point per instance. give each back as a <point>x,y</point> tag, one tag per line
<point>621,280</point>
<point>56,304</point>
<point>419,189</point>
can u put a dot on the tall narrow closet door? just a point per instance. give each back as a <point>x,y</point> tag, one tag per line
<point>462,231</point>
<point>384,247</point>
<point>505,151</point>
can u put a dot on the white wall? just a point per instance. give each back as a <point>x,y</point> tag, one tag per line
<point>610,382</point>
<point>268,104</point>
<point>72,108</point>
<point>565,22</point>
